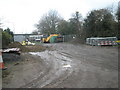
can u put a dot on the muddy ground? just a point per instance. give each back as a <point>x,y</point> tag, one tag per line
<point>64,66</point>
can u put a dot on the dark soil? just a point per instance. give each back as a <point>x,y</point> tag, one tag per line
<point>13,59</point>
<point>28,48</point>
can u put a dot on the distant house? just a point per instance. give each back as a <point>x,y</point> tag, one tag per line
<point>23,37</point>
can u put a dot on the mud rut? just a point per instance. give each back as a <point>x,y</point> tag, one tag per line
<point>61,64</point>
<point>58,67</point>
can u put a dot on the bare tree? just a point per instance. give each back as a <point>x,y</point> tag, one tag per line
<point>49,22</point>
<point>35,32</point>
<point>78,21</point>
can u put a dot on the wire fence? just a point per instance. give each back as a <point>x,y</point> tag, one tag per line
<point>68,38</point>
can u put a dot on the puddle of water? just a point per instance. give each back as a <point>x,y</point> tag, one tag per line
<point>67,66</point>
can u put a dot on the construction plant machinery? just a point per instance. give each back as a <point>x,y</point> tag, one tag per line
<point>52,38</point>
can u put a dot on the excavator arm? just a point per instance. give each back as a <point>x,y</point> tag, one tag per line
<point>48,38</point>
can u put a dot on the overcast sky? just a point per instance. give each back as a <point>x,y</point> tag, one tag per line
<point>21,15</point>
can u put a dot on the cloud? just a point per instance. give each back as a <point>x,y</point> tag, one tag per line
<point>25,13</point>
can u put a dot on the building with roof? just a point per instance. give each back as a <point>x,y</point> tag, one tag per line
<point>30,37</point>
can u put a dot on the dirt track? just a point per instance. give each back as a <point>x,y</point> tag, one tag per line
<point>68,66</point>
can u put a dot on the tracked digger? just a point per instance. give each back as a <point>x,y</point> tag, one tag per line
<point>52,38</point>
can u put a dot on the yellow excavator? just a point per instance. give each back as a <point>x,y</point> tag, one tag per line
<point>47,39</point>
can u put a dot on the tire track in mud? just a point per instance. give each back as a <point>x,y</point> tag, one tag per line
<point>58,68</point>
<point>65,73</point>
<point>91,59</point>
<point>86,63</point>
<point>40,76</point>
